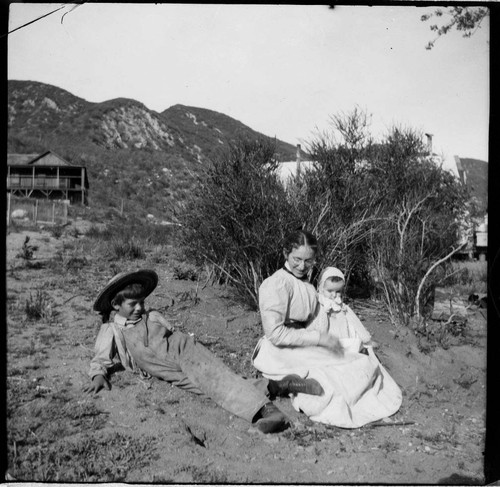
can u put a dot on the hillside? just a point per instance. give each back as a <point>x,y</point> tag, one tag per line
<point>133,153</point>
<point>206,127</point>
<point>477,182</point>
<point>139,159</point>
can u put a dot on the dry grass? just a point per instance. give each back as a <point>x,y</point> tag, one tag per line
<point>53,437</point>
<point>467,277</point>
<point>39,307</point>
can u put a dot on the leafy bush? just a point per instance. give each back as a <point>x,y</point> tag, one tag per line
<point>237,216</point>
<point>382,212</point>
<point>423,208</point>
<point>333,198</point>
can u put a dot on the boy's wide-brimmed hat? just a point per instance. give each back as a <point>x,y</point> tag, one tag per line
<point>146,277</point>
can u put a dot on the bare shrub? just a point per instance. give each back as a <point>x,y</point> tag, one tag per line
<point>236,217</point>
<point>382,211</point>
<point>422,207</point>
<point>333,198</point>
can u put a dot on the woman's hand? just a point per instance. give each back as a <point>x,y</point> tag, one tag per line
<point>332,343</point>
<point>98,382</point>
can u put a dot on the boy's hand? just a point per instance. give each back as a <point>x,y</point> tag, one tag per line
<point>98,382</point>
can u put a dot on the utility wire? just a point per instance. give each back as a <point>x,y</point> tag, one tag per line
<point>37,19</point>
<point>69,11</point>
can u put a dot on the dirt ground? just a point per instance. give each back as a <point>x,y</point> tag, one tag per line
<point>149,431</point>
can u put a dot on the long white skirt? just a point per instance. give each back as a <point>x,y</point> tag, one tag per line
<point>358,389</point>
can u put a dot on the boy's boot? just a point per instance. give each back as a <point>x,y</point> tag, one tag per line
<point>293,384</point>
<point>270,419</point>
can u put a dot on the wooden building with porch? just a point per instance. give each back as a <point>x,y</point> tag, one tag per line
<point>47,176</point>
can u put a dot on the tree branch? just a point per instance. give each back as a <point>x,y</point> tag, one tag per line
<point>431,268</point>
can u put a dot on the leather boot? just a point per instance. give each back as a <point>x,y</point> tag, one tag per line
<point>270,419</point>
<point>293,384</point>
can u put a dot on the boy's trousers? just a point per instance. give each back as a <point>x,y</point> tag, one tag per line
<point>177,358</point>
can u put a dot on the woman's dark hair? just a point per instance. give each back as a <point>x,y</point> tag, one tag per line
<point>298,238</point>
<point>132,291</point>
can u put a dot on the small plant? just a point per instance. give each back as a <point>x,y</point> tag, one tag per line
<point>57,231</point>
<point>465,381</point>
<point>431,333</point>
<point>27,250</point>
<point>185,272</point>
<point>389,446</point>
<point>75,263</point>
<point>96,233</point>
<point>186,296</point>
<point>159,255</point>
<point>439,437</point>
<point>29,350</point>
<point>39,307</point>
<point>129,250</point>
<point>309,435</point>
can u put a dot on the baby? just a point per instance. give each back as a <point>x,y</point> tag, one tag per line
<point>334,316</point>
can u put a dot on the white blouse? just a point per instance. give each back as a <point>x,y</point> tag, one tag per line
<point>283,301</point>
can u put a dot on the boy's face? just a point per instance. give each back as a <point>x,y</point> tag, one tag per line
<point>333,290</point>
<point>131,309</point>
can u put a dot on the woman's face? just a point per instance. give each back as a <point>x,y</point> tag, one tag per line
<point>300,260</point>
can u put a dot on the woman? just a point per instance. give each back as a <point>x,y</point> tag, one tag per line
<point>357,390</point>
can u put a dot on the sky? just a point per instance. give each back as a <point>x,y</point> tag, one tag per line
<point>283,70</point>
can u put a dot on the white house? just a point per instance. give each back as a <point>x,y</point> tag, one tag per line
<point>288,169</point>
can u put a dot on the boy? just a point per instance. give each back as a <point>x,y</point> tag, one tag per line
<point>145,343</point>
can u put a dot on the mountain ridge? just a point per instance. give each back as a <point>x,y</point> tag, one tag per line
<point>58,105</point>
<point>130,151</point>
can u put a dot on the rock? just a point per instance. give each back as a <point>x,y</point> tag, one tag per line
<point>19,214</point>
<point>480,300</point>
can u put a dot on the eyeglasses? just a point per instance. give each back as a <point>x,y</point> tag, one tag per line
<point>307,263</point>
